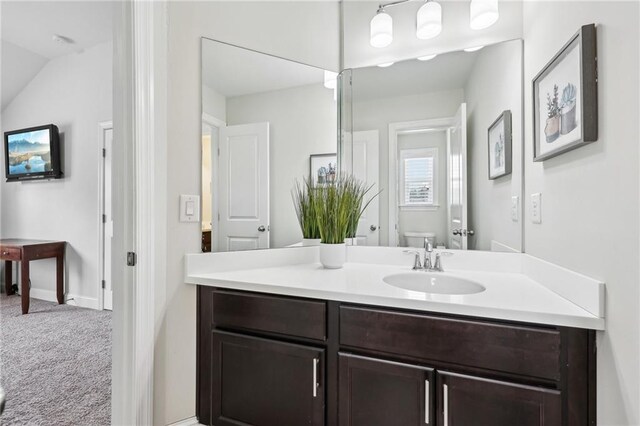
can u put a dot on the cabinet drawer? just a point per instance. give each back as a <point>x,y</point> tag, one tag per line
<point>10,253</point>
<point>514,349</point>
<point>271,314</point>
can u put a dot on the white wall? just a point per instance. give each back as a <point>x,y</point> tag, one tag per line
<point>302,121</point>
<point>213,103</point>
<point>421,220</point>
<point>590,195</point>
<point>75,93</point>
<point>303,31</point>
<point>494,85</point>
<point>377,114</point>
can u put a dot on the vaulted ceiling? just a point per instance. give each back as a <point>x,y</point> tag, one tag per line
<point>27,36</point>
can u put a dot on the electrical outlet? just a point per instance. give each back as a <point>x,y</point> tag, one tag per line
<point>515,208</point>
<point>536,208</point>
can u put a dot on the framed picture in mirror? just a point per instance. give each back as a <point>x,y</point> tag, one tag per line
<point>499,140</point>
<point>323,168</point>
<point>565,98</point>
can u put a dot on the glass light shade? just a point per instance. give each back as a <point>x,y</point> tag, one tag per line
<point>473,49</point>
<point>386,64</point>
<point>427,57</point>
<point>330,79</point>
<point>483,14</point>
<point>381,30</point>
<point>429,20</point>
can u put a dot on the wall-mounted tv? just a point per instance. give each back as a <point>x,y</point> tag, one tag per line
<point>32,153</point>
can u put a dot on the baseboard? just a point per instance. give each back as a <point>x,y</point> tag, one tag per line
<point>71,299</point>
<point>191,421</point>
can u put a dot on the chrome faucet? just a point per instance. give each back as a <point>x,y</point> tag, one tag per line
<point>427,264</point>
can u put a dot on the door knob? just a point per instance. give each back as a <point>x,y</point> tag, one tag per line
<point>468,232</point>
<point>457,232</point>
<point>261,228</point>
<point>373,228</point>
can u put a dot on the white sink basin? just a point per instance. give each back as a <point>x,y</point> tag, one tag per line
<point>434,283</point>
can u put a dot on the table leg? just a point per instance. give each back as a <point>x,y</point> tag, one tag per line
<point>24,272</point>
<point>60,278</point>
<point>8,277</point>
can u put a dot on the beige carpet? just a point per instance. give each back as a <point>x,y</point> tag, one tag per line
<point>55,364</point>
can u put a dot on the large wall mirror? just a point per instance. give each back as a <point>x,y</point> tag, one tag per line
<point>441,137</point>
<point>265,122</point>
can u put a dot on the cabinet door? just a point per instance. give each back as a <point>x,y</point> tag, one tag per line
<point>377,392</point>
<point>262,382</point>
<point>473,401</point>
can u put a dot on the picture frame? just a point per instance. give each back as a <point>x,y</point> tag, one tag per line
<point>565,98</point>
<point>323,168</point>
<point>499,146</point>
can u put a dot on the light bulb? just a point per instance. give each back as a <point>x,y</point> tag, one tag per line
<point>427,57</point>
<point>483,14</point>
<point>429,20</point>
<point>381,30</point>
<point>330,79</point>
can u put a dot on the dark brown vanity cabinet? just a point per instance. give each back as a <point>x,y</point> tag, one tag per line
<point>266,360</point>
<point>377,392</point>
<point>266,382</point>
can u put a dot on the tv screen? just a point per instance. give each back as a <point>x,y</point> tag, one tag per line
<point>32,153</point>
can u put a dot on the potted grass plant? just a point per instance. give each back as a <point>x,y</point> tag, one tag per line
<point>338,208</point>
<point>357,191</point>
<point>304,195</point>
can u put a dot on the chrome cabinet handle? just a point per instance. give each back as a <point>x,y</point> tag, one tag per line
<point>426,402</point>
<point>445,393</point>
<point>373,228</point>
<point>261,228</point>
<point>316,361</point>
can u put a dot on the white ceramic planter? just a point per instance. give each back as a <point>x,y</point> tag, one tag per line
<point>351,241</point>
<point>306,242</point>
<point>333,256</point>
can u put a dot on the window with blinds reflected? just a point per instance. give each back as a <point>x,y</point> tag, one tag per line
<point>418,175</point>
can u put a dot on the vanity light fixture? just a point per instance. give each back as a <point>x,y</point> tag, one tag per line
<point>427,57</point>
<point>330,79</point>
<point>429,20</point>
<point>473,49</point>
<point>386,64</point>
<point>381,29</point>
<point>483,14</point>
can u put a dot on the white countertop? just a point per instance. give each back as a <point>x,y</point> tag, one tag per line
<point>510,294</point>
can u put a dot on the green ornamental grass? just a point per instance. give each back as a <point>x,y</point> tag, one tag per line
<point>304,195</point>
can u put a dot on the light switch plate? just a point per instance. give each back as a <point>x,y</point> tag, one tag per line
<point>515,208</point>
<point>536,208</point>
<point>189,208</point>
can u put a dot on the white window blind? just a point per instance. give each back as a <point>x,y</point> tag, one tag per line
<point>418,177</point>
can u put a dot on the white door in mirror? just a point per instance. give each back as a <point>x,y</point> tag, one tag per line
<point>243,186</point>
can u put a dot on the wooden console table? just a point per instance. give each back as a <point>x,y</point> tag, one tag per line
<point>24,251</point>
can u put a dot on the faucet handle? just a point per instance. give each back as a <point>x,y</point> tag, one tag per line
<point>438,263</point>
<point>416,261</point>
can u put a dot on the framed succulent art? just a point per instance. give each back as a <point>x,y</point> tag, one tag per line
<point>565,98</point>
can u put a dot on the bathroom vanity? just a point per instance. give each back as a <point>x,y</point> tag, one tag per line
<point>273,351</point>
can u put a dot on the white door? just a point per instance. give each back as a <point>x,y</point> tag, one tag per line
<point>243,187</point>
<point>107,219</point>
<point>366,163</point>
<point>457,180</point>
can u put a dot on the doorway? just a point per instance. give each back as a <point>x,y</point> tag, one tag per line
<point>106,214</point>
